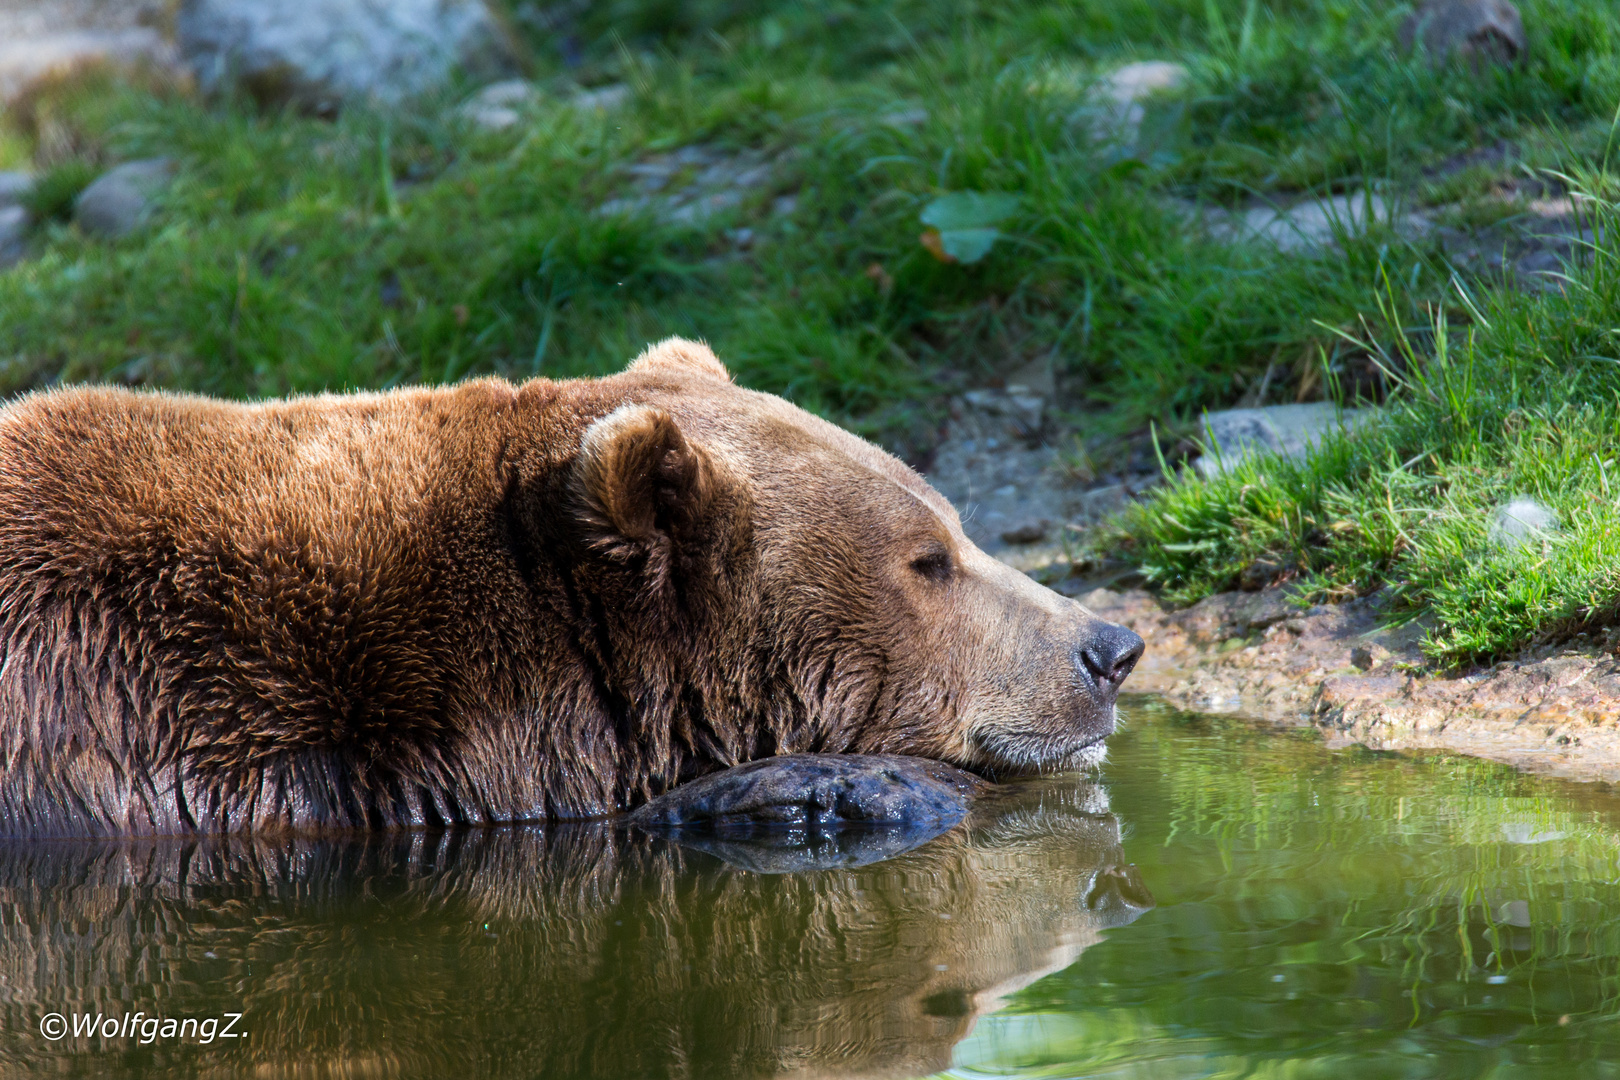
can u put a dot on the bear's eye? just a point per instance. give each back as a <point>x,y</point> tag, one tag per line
<point>935,565</point>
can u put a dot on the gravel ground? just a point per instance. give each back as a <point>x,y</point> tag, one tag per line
<point>1018,490</point>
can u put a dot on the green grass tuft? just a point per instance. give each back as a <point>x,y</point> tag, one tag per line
<point>1515,395</point>
<point>51,196</point>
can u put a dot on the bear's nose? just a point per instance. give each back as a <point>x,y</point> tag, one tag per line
<point>1109,656</point>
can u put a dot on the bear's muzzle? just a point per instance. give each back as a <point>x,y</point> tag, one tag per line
<point>1105,659</point>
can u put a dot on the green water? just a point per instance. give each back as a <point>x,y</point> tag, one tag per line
<point>1335,914</point>
<point>1292,912</point>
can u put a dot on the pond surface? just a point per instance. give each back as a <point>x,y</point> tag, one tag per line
<point>1291,911</point>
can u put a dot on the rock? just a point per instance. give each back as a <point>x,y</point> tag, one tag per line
<point>1341,690</point>
<point>40,39</point>
<point>1552,715</point>
<point>1101,501</point>
<point>119,200</point>
<point>1533,246</point>
<point>692,184</point>
<point>317,53</point>
<point>500,105</point>
<point>13,218</point>
<point>904,118</point>
<point>13,227</point>
<point>1367,657</point>
<point>602,99</point>
<point>1138,81</point>
<point>1024,411</point>
<point>1029,531</point>
<point>1477,32</point>
<point>1117,105</point>
<point>1290,430</point>
<point>14,186</point>
<point>1520,523</point>
<point>508,93</point>
<point>1268,607</point>
<point>814,811</point>
<point>1313,225</point>
<point>1039,376</point>
<point>1261,573</point>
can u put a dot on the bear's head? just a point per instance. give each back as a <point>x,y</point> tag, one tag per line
<point>764,582</point>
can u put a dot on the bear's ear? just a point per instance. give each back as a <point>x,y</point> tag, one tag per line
<point>679,354</point>
<point>642,483</point>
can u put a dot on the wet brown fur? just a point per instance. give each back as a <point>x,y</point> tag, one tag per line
<point>486,602</point>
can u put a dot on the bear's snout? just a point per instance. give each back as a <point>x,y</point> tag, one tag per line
<point>1105,659</point>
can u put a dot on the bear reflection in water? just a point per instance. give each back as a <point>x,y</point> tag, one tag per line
<point>561,951</point>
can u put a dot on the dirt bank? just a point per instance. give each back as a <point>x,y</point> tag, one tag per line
<point>1555,712</point>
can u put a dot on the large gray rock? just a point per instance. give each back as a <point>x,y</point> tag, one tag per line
<point>1233,435</point>
<point>119,201</point>
<point>317,53</point>
<point>1474,31</point>
<point>39,38</point>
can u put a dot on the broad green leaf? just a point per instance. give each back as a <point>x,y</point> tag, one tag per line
<point>967,220</point>
<point>969,210</point>
<point>968,245</point>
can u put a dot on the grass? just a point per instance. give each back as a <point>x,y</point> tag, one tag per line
<point>297,254</point>
<point>1523,399</point>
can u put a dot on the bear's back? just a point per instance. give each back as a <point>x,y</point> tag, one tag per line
<point>201,601</point>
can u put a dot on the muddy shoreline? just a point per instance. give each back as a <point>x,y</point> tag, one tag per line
<point>1334,667</point>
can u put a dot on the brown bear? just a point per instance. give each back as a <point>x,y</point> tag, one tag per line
<point>493,602</point>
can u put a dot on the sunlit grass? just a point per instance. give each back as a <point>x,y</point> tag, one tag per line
<point>1516,395</point>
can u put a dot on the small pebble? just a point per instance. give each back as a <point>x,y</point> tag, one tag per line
<point>1026,532</point>
<point>1367,657</point>
<point>118,201</point>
